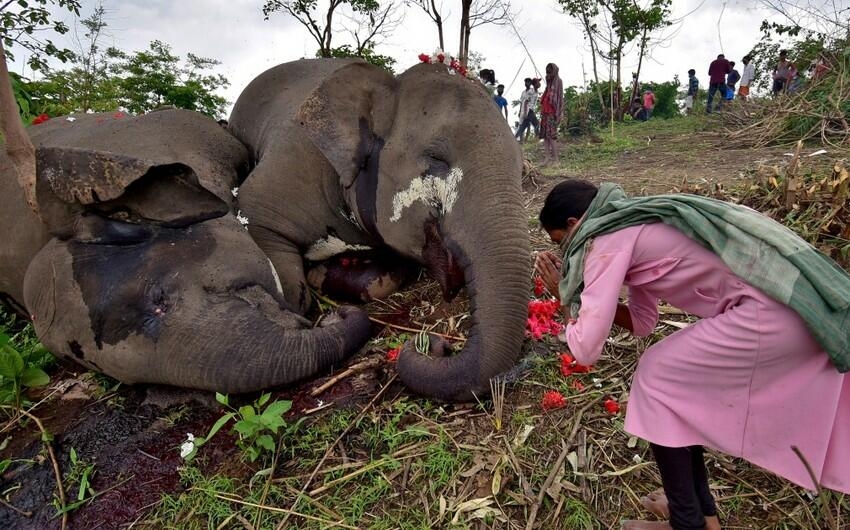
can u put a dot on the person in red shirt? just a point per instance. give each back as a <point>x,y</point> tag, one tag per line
<point>717,71</point>
<point>648,102</point>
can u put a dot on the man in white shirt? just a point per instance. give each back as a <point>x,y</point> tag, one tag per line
<point>527,105</point>
<point>747,77</point>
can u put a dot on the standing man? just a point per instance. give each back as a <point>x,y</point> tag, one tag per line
<point>717,71</point>
<point>732,80</point>
<point>527,106</point>
<point>500,100</point>
<point>648,102</point>
<point>782,73</point>
<point>746,78</point>
<point>693,89</point>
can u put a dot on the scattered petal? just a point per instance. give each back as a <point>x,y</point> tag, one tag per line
<point>392,355</point>
<point>539,288</point>
<point>552,400</point>
<point>611,406</point>
<point>41,118</point>
<point>235,192</point>
<point>71,119</point>
<point>241,218</point>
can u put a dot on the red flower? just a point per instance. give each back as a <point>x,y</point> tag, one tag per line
<point>541,321</point>
<point>569,365</point>
<point>539,288</point>
<point>611,406</point>
<point>41,118</point>
<point>425,58</point>
<point>392,355</point>
<point>552,400</point>
<point>578,385</point>
<point>441,57</point>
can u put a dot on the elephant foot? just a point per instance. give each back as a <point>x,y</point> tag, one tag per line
<point>361,276</point>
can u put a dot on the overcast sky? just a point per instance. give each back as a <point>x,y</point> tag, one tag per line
<point>234,32</point>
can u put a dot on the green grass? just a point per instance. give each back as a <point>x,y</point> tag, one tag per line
<point>584,153</point>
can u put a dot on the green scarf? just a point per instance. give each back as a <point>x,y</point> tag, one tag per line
<point>762,252</point>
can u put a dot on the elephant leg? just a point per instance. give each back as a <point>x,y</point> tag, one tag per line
<point>288,267</point>
<point>361,276</point>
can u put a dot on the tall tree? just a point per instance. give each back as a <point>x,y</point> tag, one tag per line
<point>617,24</point>
<point>434,10</point>
<point>372,19</point>
<point>24,21</point>
<point>473,13</point>
<point>154,77</point>
<point>476,13</point>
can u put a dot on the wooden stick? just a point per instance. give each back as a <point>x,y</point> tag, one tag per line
<point>830,520</point>
<point>559,464</point>
<point>275,509</point>
<point>362,366</point>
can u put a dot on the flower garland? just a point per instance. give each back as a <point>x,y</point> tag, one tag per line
<point>440,57</point>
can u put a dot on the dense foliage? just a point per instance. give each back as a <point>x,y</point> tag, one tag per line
<point>23,21</point>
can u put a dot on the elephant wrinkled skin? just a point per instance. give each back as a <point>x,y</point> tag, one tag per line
<point>142,268</point>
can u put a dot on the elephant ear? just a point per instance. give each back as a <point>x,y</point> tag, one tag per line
<point>348,115</point>
<point>136,190</point>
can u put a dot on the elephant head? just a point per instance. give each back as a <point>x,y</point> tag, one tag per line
<point>428,167</point>
<point>150,276</point>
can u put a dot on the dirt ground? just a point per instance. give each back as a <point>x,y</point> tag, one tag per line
<point>133,435</point>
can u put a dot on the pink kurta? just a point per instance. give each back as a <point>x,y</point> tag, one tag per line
<point>747,379</point>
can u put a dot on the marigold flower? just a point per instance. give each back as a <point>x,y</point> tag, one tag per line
<point>392,355</point>
<point>611,406</point>
<point>552,400</point>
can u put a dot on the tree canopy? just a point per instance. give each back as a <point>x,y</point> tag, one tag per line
<point>23,22</point>
<point>102,80</point>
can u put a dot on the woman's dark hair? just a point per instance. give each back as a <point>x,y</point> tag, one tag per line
<point>570,198</point>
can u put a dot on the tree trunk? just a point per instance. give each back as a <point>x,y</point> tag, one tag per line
<point>18,144</point>
<point>641,53</point>
<point>438,20</point>
<point>619,89</point>
<point>463,51</point>
<point>587,29</point>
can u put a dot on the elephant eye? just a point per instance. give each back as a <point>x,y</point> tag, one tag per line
<point>437,167</point>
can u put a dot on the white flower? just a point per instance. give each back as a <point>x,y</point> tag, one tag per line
<point>70,118</point>
<point>235,191</point>
<point>187,447</point>
<point>241,218</point>
<point>637,459</point>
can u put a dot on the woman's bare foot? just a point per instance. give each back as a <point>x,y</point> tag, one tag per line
<point>646,525</point>
<point>656,503</point>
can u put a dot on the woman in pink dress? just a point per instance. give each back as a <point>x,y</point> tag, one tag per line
<point>748,379</point>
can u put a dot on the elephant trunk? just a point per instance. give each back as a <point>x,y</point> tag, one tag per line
<point>245,351</point>
<point>488,237</point>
